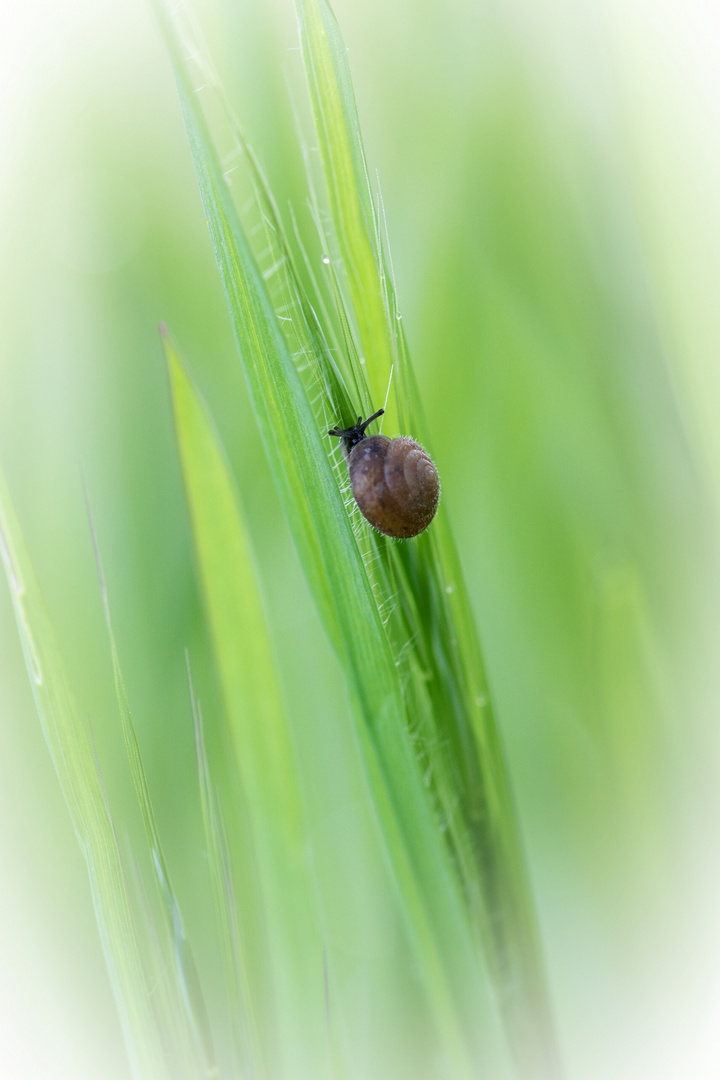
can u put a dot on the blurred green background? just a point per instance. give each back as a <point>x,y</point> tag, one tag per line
<point>549,175</point>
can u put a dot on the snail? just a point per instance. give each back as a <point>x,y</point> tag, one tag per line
<point>395,483</point>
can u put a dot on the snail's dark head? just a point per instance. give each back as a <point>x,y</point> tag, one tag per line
<point>353,435</point>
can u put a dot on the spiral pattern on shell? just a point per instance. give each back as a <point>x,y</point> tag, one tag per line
<point>395,484</point>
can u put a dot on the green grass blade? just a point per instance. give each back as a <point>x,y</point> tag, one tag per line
<point>191,1050</point>
<point>450,698</point>
<point>259,732</point>
<point>349,195</point>
<point>238,978</point>
<point>72,755</point>
<point>298,455</point>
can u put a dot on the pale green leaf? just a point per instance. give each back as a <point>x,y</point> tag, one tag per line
<point>68,741</point>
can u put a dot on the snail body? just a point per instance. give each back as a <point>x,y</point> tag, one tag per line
<point>394,481</point>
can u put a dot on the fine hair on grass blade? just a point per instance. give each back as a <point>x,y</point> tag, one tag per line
<point>452,706</point>
<point>296,447</point>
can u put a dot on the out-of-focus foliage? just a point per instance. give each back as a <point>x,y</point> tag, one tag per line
<point>547,179</point>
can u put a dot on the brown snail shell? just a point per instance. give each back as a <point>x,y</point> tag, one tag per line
<point>394,481</point>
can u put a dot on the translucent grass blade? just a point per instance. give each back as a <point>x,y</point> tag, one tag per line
<point>245,1037</point>
<point>191,1047</point>
<point>72,755</point>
